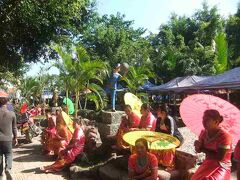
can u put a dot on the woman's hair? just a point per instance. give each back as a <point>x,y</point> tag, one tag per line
<point>163,108</point>
<point>213,114</point>
<point>127,106</point>
<point>146,107</point>
<point>144,141</point>
<point>3,101</point>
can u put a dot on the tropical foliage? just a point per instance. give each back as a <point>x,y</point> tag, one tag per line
<point>82,75</point>
<point>137,77</point>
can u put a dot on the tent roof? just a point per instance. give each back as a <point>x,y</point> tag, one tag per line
<point>228,80</point>
<point>178,84</point>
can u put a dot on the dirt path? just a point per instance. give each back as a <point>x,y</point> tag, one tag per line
<point>26,162</point>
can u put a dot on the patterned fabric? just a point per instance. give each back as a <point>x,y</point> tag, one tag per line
<point>150,165</point>
<point>212,168</point>
<point>49,134</point>
<point>148,122</point>
<point>133,122</point>
<point>65,136</point>
<point>237,152</point>
<point>68,155</point>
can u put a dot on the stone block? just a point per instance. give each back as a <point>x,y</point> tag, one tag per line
<point>107,129</point>
<point>110,172</point>
<point>109,117</point>
<point>185,161</point>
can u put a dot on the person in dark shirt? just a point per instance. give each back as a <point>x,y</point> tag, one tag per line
<point>8,135</point>
<point>166,123</point>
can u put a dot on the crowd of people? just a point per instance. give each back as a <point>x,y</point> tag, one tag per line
<point>66,140</point>
<point>214,141</point>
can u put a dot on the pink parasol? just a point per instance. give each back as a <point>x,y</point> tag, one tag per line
<point>193,107</point>
<point>3,94</point>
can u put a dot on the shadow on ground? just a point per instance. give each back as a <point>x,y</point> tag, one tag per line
<point>38,171</point>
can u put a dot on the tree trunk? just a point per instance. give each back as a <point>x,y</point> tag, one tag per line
<point>67,100</point>
<point>76,103</point>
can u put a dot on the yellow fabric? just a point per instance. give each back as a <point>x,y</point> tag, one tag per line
<point>68,121</point>
<point>134,102</point>
<point>156,140</point>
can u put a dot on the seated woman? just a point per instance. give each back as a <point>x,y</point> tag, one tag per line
<point>49,133</point>
<point>62,137</point>
<point>148,121</point>
<point>166,124</point>
<point>217,144</point>
<point>142,165</point>
<point>68,155</point>
<point>128,122</point>
<point>237,158</point>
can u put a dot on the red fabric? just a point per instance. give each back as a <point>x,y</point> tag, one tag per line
<point>193,107</point>
<point>152,164</point>
<point>165,158</point>
<point>125,127</point>
<point>148,122</point>
<point>237,152</point>
<point>67,156</point>
<point>212,168</point>
<point>59,145</point>
<point>35,111</point>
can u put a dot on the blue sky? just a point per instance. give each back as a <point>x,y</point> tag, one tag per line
<point>150,14</point>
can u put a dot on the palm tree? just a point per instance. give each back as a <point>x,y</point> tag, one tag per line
<point>29,87</point>
<point>81,74</point>
<point>137,77</point>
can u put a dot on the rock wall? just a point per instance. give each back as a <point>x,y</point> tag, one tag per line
<point>109,122</point>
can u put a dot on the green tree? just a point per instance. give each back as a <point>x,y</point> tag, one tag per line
<point>233,37</point>
<point>114,40</point>
<point>29,26</point>
<point>185,45</point>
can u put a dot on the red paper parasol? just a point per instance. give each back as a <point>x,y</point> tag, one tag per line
<point>193,107</point>
<point>24,108</point>
<point>3,94</point>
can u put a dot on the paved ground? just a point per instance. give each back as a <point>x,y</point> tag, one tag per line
<point>27,160</point>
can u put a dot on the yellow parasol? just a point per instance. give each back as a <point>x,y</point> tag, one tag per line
<point>68,121</point>
<point>156,140</point>
<point>134,102</point>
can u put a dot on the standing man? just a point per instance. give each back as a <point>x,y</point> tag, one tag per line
<point>112,89</point>
<point>8,136</point>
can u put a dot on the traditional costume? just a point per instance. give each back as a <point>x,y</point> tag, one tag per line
<point>142,165</point>
<point>148,122</point>
<point>168,126</point>
<point>67,156</point>
<point>132,121</point>
<point>212,168</point>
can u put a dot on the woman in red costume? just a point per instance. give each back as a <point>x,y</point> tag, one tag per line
<point>62,137</point>
<point>49,133</point>
<point>237,158</point>
<point>128,122</point>
<point>217,144</point>
<point>142,165</point>
<point>68,155</point>
<point>148,121</point>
